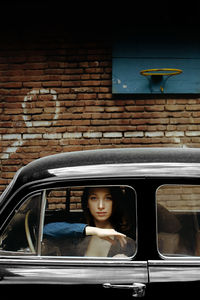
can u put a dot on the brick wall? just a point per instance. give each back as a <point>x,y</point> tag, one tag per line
<point>55,96</point>
<point>179,197</point>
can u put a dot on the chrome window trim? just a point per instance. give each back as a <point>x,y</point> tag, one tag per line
<point>173,261</point>
<point>41,223</point>
<point>128,170</point>
<point>59,260</point>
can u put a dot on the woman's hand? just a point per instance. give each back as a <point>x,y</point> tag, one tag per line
<point>107,234</point>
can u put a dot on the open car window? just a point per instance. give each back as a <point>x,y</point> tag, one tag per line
<point>69,210</point>
<point>178,220</point>
<point>54,222</point>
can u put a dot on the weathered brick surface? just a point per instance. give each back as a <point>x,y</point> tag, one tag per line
<point>56,96</point>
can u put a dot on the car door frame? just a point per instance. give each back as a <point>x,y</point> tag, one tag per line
<point>173,275</point>
<point>109,272</point>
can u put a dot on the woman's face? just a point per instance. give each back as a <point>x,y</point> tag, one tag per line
<point>100,204</point>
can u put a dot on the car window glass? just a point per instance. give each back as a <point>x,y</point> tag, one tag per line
<point>178,220</point>
<point>21,234</point>
<point>69,210</point>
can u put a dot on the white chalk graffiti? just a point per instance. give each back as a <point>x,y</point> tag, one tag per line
<point>27,117</point>
<point>27,109</point>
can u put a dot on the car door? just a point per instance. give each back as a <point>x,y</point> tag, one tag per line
<point>36,259</point>
<point>175,269</point>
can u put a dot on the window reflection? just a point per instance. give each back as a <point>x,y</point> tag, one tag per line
<point>178,220</point>
<point>21,234</point>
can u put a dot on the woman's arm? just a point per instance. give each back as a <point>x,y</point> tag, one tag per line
<point>64,229</point>
<point>107,234</point>
<point>76,230</point>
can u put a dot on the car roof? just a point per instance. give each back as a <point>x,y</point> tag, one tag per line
<point>107,163</point>
<point>124,155</point>
<point>118,155</point>
<point>39,168</point>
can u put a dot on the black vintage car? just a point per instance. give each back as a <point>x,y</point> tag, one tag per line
<point>146,203</point>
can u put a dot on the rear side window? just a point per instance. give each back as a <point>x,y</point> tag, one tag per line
<point>71,211</point>
<point>178,220</point>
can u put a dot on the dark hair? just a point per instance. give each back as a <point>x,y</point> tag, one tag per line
<point>117,219</point>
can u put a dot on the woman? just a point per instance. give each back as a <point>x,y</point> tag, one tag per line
<point>102,210</point>
<point>105,223</point>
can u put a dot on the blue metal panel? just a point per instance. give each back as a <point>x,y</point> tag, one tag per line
<point>146,51</point>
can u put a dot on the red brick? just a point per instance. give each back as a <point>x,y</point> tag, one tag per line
<point>87,115</point>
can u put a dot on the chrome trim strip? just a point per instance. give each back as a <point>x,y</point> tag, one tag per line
<point>129,169</point>
<point>41,224</point>
<point>63,261</point>
<point>173,270</point>
<point>13,272</point>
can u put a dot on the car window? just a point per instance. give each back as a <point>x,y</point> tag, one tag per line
<point>71,211</point>
<point>178,220</point>
<point>21,234</point>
